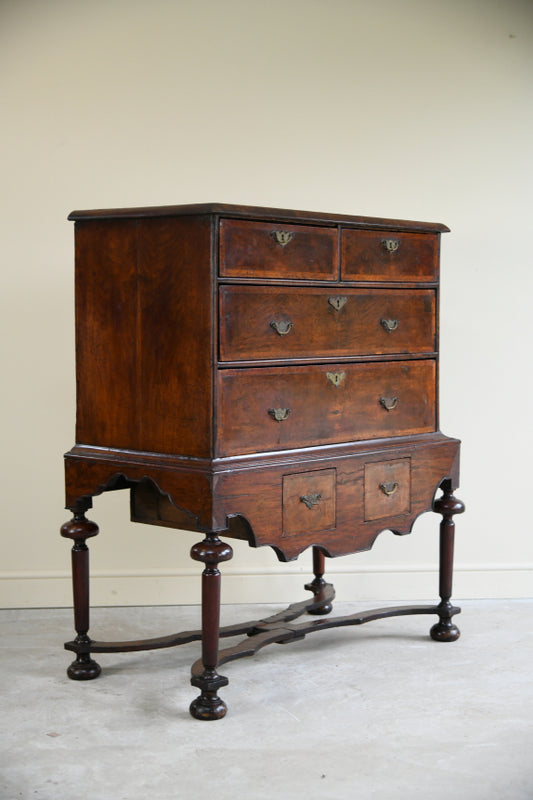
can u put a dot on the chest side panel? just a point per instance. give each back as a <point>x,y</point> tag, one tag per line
<point>175,335</point>
<point>106,333</point>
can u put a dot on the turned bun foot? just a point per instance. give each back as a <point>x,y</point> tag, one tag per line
<point>321,610</point>
<point>444,632</point>
<point>208,706</point>
<point>84,669</point>
<point>323,600</point>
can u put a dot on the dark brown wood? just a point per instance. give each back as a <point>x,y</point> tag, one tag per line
<point>176,339</point>
<point>106,334</point>
<point>275,629</point>
<point>312,327</point>
<point>318,585</point>
<point>365,256</point>
<point>79,529</point>
<point>266,373</point>
<point>293,611</point>
<point>387,488</point>
<point>251,250</point>
<point>447,505</point>
<point>309,502</point>
<point>319,411</point>
<point>208,704</point>
<point>272,633</point>
<point>228,210</point>
<point>143,385</point>
<point>254,492</point>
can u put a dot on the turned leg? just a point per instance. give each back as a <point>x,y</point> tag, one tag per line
<point>447,505</point>
<point>79,529</point>
<point>208,705</point>
<point>318,585</point>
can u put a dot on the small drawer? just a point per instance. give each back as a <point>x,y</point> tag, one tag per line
<point>303,406</point>
<point>309,502</point>
<point>387,488</point>
<point>276,323</point>
<point>384,256</point>
<point>275,250</point>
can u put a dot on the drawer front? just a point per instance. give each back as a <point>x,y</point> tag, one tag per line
<point>274,250</point>
<point>274,323</point>
<point>387,488</point>
<point>309,502</point>
<point>382,256</point>
<point>290,407</point>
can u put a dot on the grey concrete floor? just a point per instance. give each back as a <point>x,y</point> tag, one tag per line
<point>373,712</point>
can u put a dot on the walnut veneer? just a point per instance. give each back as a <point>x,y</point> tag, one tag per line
<point>264,374</point>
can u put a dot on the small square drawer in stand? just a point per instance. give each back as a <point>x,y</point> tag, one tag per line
<point>387,488</point>
<point>309,501</point>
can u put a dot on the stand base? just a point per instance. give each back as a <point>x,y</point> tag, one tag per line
<point>277,629</point>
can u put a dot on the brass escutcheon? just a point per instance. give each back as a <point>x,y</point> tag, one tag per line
<point>336,378</point>
<point>282,328</point>
<point>282,237</point>
<point>337,301</point>
<point>279,414</point>
<point>389,324</point>
<point>388,488</point>
<point>311,500</point>
<point>388,403</point>
<point>391,245</point>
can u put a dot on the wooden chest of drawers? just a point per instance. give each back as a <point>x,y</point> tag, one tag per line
<point>267,374</point>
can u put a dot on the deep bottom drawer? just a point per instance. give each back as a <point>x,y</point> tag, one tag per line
<point>290,407</point>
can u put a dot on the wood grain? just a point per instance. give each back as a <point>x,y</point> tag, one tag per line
<point>319,412</point>
<point>315,329</point>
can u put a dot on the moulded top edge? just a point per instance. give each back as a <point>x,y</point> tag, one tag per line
<point>258,212</point>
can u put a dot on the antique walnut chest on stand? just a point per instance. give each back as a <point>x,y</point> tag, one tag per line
<point>258,374</point>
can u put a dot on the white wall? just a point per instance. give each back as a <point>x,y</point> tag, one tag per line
<point>420,109</point>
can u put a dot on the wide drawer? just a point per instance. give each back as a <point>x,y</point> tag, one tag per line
<point>272,250</point>
<point>381,256</point>
<point>275,323</point>
<point>290,407</point>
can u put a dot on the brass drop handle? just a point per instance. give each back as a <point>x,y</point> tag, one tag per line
<point>390,245</point>
<point>282,237</point>
<point>311,500</point>
<point>388,488</point>
<point>388,403</point>
<point>279,414</point>
<point>389,324</point>
<point>282,328</point>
